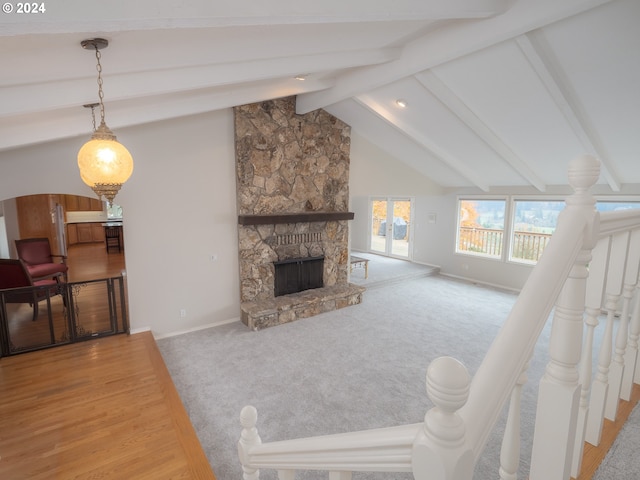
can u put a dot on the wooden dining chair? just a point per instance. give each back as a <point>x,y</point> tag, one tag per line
<point>112,238</point>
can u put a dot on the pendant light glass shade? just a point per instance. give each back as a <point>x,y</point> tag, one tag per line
<point>104,163</point>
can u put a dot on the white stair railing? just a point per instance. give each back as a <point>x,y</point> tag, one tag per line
<point>624,371</point>
<point>593,302</point>
<point>631,354</point>
<point>417,448</point>
<point>619,244</point>
<point>510,451</point>
<point>447,444</point>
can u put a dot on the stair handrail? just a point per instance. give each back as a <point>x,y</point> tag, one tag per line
<point>513,346</point>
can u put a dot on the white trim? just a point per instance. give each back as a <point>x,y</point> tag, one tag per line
<point>133,331</point>
<point>480,282</point>
<point>195,329</point>
<point>505,225</point>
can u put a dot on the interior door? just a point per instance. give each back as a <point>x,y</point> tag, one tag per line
<point>391,227</point>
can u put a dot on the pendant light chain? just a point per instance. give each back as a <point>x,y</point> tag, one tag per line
<point>100,94</point>
<point>93,116</point>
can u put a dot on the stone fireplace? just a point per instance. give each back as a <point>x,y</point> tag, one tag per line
<point>292,177</point>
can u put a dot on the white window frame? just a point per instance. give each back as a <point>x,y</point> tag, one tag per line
<point>483,198</point>
<point>512,223</point>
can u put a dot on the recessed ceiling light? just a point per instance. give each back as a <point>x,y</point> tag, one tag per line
<point>302,78</point>
<point>401,103</point>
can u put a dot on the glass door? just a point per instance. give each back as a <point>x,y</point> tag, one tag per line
<point>391,226</point>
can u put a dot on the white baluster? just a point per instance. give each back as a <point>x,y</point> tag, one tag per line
<point>439,449</point>
<point>600,385</point>
<point>631,351</point>
<point>248,438</point>
<point>617,365</point>
<point>635,327</point>
<point>510,451</point>
<point>593,301</point>
<point>591,322</point>
<point>631,369</point>
<point>615,281</point>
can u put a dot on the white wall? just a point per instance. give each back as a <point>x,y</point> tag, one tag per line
<point>11,227</point>
<point>179,208</point>
<point>375,173</point>
<point>4,243</point>
<point>435,245</point>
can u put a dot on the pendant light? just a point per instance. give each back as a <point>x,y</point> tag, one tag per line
<point>104,163</point>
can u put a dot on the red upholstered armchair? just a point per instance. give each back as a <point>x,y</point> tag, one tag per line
<point>15,283</point>
<point>38,259</point>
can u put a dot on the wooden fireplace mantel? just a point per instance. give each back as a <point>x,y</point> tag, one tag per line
<point>294,218</point>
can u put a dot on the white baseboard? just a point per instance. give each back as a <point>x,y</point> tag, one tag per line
<point>195,329</point>
<point>478,282</point>
<point>133,331</point>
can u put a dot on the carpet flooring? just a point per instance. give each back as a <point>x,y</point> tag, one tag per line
<point>357,368</point>
<point>383,271</point>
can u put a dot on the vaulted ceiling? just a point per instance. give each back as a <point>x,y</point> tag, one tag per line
<point>498,92</point>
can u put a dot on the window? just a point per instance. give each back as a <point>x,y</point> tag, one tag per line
<point>481,227</point>
<point>533,223</point>
<point>529,223</point>
<point>605,206</point>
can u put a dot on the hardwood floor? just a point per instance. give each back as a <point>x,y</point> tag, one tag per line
<point>593,456</point>
<point>105,408</point>
<point>88,261</point>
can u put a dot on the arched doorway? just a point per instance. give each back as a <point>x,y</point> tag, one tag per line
<point>93,301</point>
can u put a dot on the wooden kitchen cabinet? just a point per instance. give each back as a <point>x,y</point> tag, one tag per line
<point>71,203</point>
<point>84,233</point>
<point>97,232</point>
<point>72,234</point>
<point>95,205</point>
<point>77,203</point>
<point>84,204</point>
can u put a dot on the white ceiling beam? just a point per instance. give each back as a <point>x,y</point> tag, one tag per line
<point>550,73</point>
<point>19,99</point>
<point>418,137</point>
<point>436,86</point>
<point>53,125</point>
<point>446,44</point>
<point>83,16</point>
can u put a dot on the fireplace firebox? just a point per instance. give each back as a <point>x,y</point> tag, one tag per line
<point>298,274</point>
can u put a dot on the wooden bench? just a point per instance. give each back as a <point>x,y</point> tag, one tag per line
<point>359,262</point>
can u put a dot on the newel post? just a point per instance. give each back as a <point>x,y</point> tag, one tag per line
<point>248,438</point>
<point>440,451</point>
<point>559,392</point>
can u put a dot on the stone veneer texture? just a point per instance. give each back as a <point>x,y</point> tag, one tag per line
<point>289,163</point>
